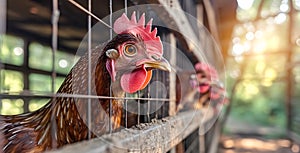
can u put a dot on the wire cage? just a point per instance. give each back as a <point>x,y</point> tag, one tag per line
<point>30,78</point>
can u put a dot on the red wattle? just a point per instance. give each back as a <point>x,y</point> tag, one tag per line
<point>203,88</point>
<point>147,79</point>
<point>134,81</point>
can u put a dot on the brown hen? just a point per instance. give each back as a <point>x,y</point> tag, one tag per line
<point>122,65</point>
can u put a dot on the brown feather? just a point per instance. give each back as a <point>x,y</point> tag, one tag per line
<point>62,121</point>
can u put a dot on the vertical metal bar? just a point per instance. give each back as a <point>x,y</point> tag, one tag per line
<point>26,74</point>
<point>156,95</point>
<point>2,32</point>
<point>139,107</point>
<point>89,107</point>
<point>148,104</point>
<point>3,6</point>
<point>139,92</point>
<point>110,94</point>
<point>162,110</point>
<point>110,18</point>
<point>172,76</point>
<point>55,17</point>
<point>126,112</point>
<point>125,6</point>
<point>126,105</point>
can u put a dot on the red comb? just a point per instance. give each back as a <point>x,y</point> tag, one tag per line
<point>152,42</point>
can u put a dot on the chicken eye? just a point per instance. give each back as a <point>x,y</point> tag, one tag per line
<point>130,50</point>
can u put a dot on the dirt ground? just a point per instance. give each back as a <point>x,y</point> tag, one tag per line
<point>256,144</point>
<point>243,137</point>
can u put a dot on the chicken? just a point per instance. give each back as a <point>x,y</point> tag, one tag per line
<point>203,87</point>
<point>125,64</point>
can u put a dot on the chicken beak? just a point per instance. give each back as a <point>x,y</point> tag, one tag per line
<point>162,64</point>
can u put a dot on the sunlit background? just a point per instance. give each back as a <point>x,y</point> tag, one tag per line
<point>263,69</point>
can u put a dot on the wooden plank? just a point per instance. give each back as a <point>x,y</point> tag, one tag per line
<point>157,136</point>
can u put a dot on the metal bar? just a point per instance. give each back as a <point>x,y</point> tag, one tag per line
<point>3,11</point>
<point>126,105</point>
<point>89,13</point>
<point>126,112</point>
<point>26,74</point>
<point>29,70</point>
<point>125,6</point>
<point>55,17</point>
<point>154,137</point>
<point>148,104</point>
<point>89,104</point>
<point>139,108</point>
<point>156,95</point>
<point>14,95</point>
<point>110,88</point>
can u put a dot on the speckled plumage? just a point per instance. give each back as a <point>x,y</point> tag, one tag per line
<point>62,120</point>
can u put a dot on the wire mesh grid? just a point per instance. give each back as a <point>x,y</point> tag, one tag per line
<point>141,107</point>
<point>140,97</point>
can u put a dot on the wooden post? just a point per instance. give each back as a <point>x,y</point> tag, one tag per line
<point>172,91</point>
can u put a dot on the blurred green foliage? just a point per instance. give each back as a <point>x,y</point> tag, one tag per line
<point>12,51</point>
<point>40,58</point>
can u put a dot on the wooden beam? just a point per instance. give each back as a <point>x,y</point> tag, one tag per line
<point>157,136</point>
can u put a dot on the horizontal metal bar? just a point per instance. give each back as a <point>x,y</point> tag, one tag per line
<point>157,136</point>
<point>64,95</point>
<point>25,69</point>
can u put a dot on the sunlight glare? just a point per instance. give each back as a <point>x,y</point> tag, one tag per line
<point>284,7</point>
<point>63,63</point>
<point>260,67</point>
<point>258,34</point>
<point>271,74</point>
<point>298,42</point>
<point>250,36</point>
<point>250,90</point>
<point>280,18</point>
<point>297,3</point>
<point>245,4</point>
<point>259,46</point>
<point>228,143</point>
<point>237,49</point>
<point>238,59</point>
<point>267,82</point>
<point>18,51</point>
<point>236,40</point>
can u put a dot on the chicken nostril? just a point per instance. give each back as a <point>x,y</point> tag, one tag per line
<point>155,57</point>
